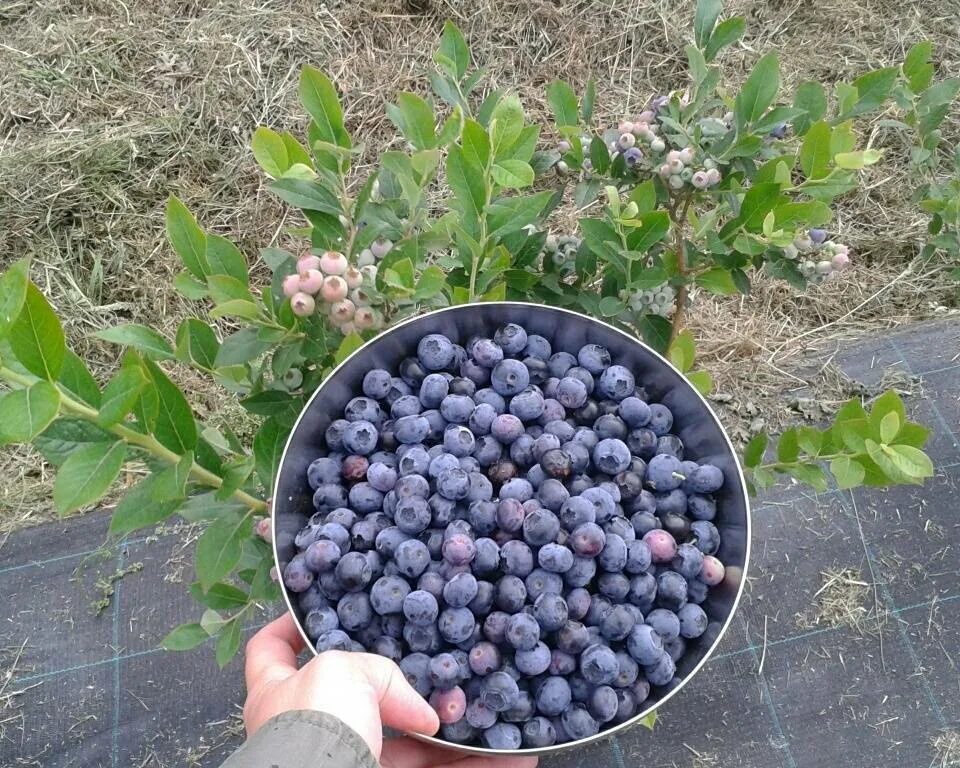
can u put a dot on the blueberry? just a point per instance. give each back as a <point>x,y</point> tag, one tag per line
<point>540,582</point>
<point>604,504</point>
<point>571,392</point>
<point>376,383</point>
<point>503,736</point>
<point>353,571</point>
<point>517,488</point>
<point>629,670</point>
<point>381,477</point>
<point>460,590</point>
<point>516,558</point>
<point>538,732</point>
<point>435,352</point>
<point>617,624</point>
<point>479,715</point>
<point>553,495</point>
<point>706,536</point>
<point>506,428</point>
<point>416,669</point>
<point>444,672</point>
<point>364,498</point>
<point>510,514</point>
<point>664,473</point>
<point>603,703</point>
<point>460,385</point>
<point>534,661</point>
<point>616,383</point>
<point>481,419</point>
<point>482,516</point>
<point>556,463</point>
<point>457,409</point>
<point>611,456</point>
<point>578,603</point>
<point>661,419</point>
<point>388,647</point>
<point>323,471</point>
<point>540,527</point>
<point>522,710</point>
<point>433,389</point>
<point>638,557</point>
<point>363,409</point>
<point>487,451</point>
<point>701,507</point>
<point>411,485</point>
<point>495,627</point>
<point>334,640</point>
<point>398,388</point>
<point>543,444</point>
<point>645,644</point>
<point>559,363</point>
<point>555,558</point>
<point>634,411</point>
<point>688,561</point>
<point>582,572</point>
<point>693,621</point>
<point>521,450</point>
<point>527,405</point>
<point>672,503</point>
<point>706,478</point>
<point>459,549</point>
<point>550,611</point>
<point>537,346</point>
<point>458,440</point>
<point>487,353</point>
<point>411,429</point>
<point>388,593</point>
<point>522,631</point>
<point>662,672</point>
<point>456,624</point>
<point>643,443</point>
<point>697,591</point>
<point>578,723</point>
<point>511,594</point>
<point>563,430</point>
<point>354,611</point>
<point>487,557</point>
<point>665,622</point>
<point>509,377</point>
<point>643,591</point>
<point>491,398</point>
<point>412,557</point>
<point>321,620</point>
<point>598,664</point>
<point>408,405</point>
<point>499,692</point>
<point>322,555</point>
<point>593,357</point>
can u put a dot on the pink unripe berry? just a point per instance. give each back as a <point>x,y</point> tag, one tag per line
<point>347,328</point>
<point>302,304</point>
<point>354,277</point>
<point>366,258</point>
<point>449,705</point>
<point>646,116</point>
<point>699,180</point>
<point>311,281</point>
<point>713,176</point>
<point>342,311</point>
<point>363,318</point>
<point>369,272</point>
<point>377,320</point>
<point>334,289</point>
<point>625,127</point>
<point>824,267</point>
<point>274,574</point>
<point>333,263</point>
<point>359,297</point>
<point>563,147</point>
<point>308,261</point>
<point>672,156</point>
<point>380,247</point>
<point>663,547</point>
<point>291,285</point>
<point>626,141</point>
<point>263,529</point>
<point>712,571</point>
<point>686,155</point>
<point>675,166</point>
<point>840,261</point>
<point>665,171</point>
<point>640,128</point>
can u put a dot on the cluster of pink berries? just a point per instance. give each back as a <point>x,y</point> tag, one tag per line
<point>677,170</point>
<point>339,288</point>
<point>818,258</point>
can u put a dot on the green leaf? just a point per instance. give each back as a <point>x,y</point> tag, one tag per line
<point>589,100</point>
<point>726,33</point>
<point>649,721</point>
<point>234,474</point>
<point>705,19</point>
<point>611,306</point>
<point>431,283</point>
<point>857,160</point>
<point>563,102</point>
<point>754,450</point>
<point>78,381</point>
<point>815,152</point>
<point>811,474</point>
<point>319,97</point>
<point>888,402</point>
<point>810,440</point>
<point>788,447</point>
<point>758,91</point>
<point>913,434</point>
<point>87,474</point>
<point>512,174</point>
<point>873,88</point>
<point>270,151</point>
<point>506,124</point>
<point>645,196</point>
<point>415,119</point>
<point>917,67</point>
<point>466,180</point>
<point>811,213</point>
<point>13,293</point>
<point>25,413</point>
<point>139,337</point>
<point>717,280</point>
<point>220,597</point>
<point>219,549</point>
<point>140,507</point>
<point>476,144</point>
<point>186,637</point>
<point>655,331</point>
<point>848,472</point>
<point>36,337</point>
<point>189,287</point>
<point>268,446</point>
<point>683,351</point>
<point>889,427</point>
<point>652,229</point>
<point>241,308</point>
<point>228,643</point>
<point>224,258</point>
<point>186,237</point>
<point>701,381</point>
<point>64,436</point>
<point>759,200</point>
<point>911,461</point>
<point>175,426</point>
<point>121,394</point>
<point>309,195</point>
<point>511,214</point>
<point>273,402</point>
<point>811,98</point>
<point>197,344</point>
<point>241,347</point>
<point>454,48</point>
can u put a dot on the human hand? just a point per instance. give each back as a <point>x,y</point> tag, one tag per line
<point>365,691</point>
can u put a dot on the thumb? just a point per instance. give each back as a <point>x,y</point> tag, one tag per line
<point>401,707</point>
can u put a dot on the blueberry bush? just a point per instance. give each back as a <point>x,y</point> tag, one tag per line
<point>705,187</point>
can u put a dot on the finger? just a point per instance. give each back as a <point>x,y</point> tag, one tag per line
<point>404,752</point>
<point>401,707</point>
<point>272,652</point>
<point>493,762</point>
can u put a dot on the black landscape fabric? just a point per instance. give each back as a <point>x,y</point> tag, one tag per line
<point>844,651</point>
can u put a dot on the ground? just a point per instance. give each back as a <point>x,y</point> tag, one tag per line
<point>108,107</point>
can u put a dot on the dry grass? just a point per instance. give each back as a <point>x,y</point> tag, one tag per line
<point>946,747</point>
<point>107,107</point>
<point>842,601</point>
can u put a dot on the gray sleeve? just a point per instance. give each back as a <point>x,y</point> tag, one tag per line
<point>303,739</point>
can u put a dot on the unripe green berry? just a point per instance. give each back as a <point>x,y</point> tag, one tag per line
<point>562,167</point>
<point>686,174</point>
<point>657,145</point>
<point>366,258</point>
<point>631,210</point>
<point>676,182</point>
<point>293,378</point>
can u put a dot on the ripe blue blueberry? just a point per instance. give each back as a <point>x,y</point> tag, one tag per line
<point>540,527</point>
<point>505,736</point>
<point>411,430</point>
<point>534,661</point>
<point>541,582</point>
<point>661,419</point>
<point>321,620</point>
<point>516,558</point>
<point>550,611</point>
<point>435,352</point>
<point>388,594</point>
<point>509,377</point>
<point>506,428</point>
<point>598,664</point>
<point>571,392</point>
<point>555,558</point>
<point>511,594</point>
<point>661,673</point>
<point>499,692</point>
<point>578,722</point>
<point>616,383</point>
<point>611,456</point>
<point>645,644</point>
<point>594,358</point>
<point>706,536</point>
<point>538,732</point>
<point>376,383</point>
<point>458,440</point>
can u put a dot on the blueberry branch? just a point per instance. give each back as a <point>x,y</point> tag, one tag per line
<point>678,214</point>
<point>147,442</point>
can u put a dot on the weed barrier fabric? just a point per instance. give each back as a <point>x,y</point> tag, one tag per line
<point>790,685</point>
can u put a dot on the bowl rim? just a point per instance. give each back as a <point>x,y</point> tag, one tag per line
<point>635,720</point>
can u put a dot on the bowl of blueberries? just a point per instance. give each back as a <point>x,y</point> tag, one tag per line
<point>534,514</point>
